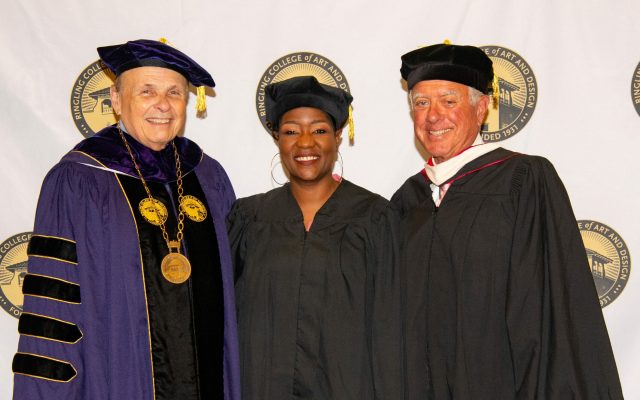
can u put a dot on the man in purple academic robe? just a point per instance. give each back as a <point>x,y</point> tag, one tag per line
<point>106,314</point>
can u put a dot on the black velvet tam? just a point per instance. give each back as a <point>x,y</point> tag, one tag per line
<point>306,91</point>
<point>467,65</point>
<point>150,53</point>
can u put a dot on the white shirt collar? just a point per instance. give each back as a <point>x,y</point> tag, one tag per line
<point>440,173</point>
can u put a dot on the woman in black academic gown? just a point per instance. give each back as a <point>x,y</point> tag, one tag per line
<point>316,285</point>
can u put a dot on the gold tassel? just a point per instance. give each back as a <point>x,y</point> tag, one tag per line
<point>350,122</point>
<point>201,100</point>
<point>495,87</point>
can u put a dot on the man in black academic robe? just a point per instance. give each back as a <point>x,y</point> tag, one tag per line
<point>499,302</point>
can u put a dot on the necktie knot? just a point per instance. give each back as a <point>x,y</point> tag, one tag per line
<point>438,192</point>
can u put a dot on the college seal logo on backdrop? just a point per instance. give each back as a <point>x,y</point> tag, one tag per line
<point>13,268</point>
<point>90,100</point>
<point>517,98</point>
<point>609,259</point>
<point>298,64</point>
<point>635,89</point>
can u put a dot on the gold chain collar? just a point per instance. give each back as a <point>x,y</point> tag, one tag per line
<point>176,268</point>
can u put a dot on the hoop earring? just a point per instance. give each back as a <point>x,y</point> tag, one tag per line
<point>339,177</point>
<point>274,164</point>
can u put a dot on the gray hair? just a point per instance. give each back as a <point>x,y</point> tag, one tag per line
<point>474,96</point>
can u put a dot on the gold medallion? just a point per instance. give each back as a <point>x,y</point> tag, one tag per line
<point>153,211</point>
<point>176,268</point>
<point>193,207</point>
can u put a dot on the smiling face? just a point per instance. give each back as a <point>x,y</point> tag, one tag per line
<point>444,119</point>
<point>151,102</point>
<point>308,144</point>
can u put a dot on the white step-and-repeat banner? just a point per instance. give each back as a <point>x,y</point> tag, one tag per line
<point>569,90</point>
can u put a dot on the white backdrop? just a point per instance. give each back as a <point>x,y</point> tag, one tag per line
<point>584,55</point>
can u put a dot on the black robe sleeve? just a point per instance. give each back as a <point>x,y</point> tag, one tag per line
<point>559,343</point>
<point>236,225</point>
<point>386,331</point>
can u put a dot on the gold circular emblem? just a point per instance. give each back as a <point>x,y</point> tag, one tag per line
<point>609,259</point>
<point>298,64</point>
<point>176,268</point>
<point>91,106</point>
<point>193,208</point>
<point>153,211</point>
<point>517,97</point>
<point>635,88</point>
<point>13,269</point>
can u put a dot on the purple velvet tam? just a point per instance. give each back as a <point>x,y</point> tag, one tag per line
<point>150,53</point>
<point>306,91</point>
<point>467,65</point>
